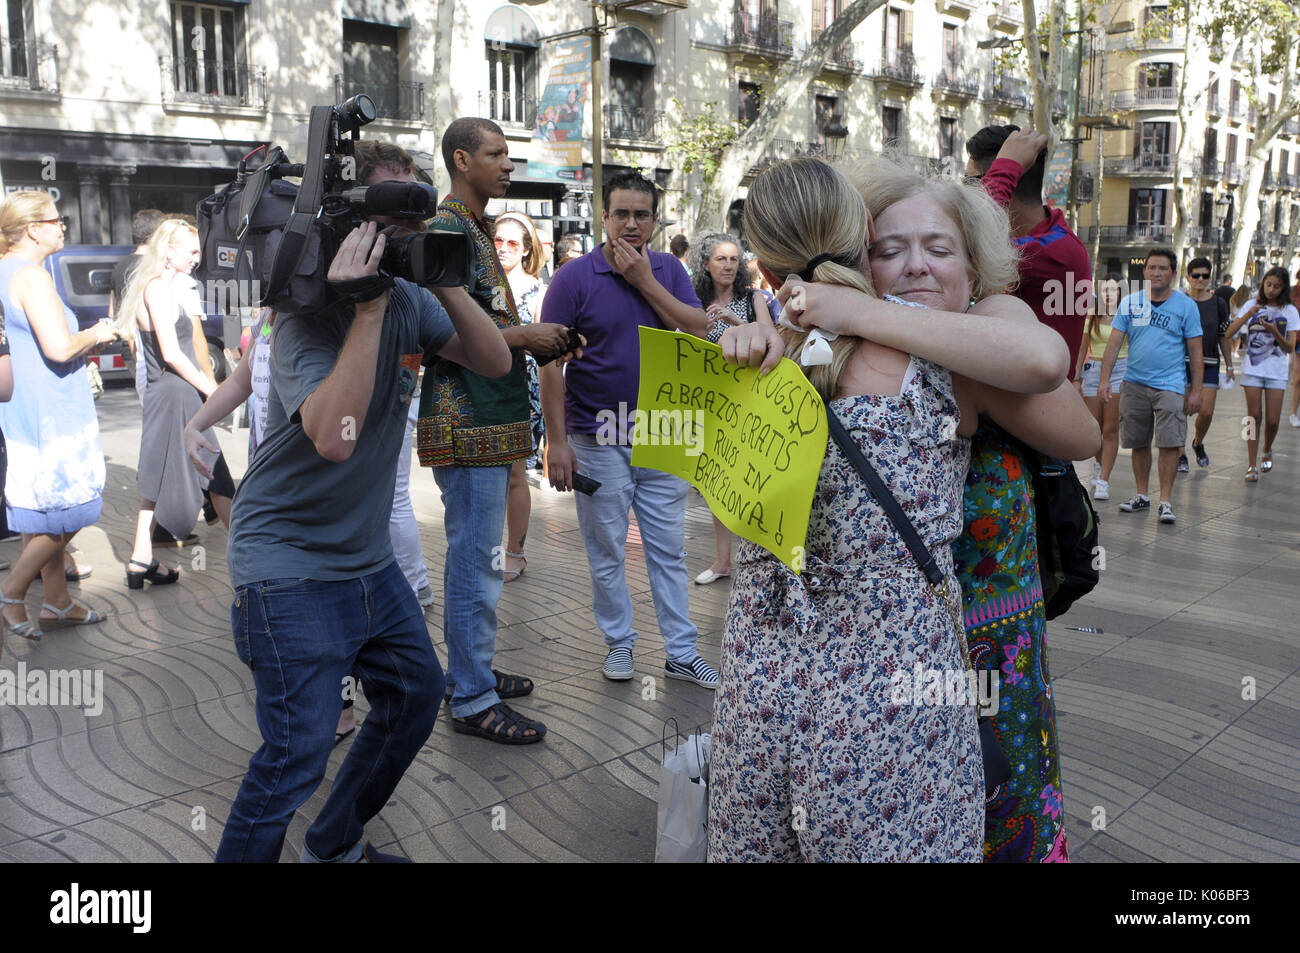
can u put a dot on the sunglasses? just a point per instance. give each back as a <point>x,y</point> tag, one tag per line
<point>62,220</point>
<point>1201,275</point>
<point>511,244</point>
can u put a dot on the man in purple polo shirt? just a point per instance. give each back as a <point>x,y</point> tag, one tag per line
<point>607,295</point>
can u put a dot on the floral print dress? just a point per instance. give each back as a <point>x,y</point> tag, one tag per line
<point>815,755</point>
<point>996,559</point>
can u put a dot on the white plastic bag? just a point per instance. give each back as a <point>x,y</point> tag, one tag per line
<point>684,803</point>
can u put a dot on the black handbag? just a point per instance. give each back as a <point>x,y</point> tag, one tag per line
<point>997,769</point>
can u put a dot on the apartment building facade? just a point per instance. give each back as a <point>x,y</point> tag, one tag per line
<point>1143,72</point>
<point>153,102</point>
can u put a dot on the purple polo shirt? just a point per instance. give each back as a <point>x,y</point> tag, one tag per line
<point>589,295</point>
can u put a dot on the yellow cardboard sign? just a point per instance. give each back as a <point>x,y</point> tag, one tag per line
<point>753,446</point>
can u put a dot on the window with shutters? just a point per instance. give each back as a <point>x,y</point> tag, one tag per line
<point>209,51</point>
<point>1147,209</point>
<point>1151,147</point>
<point>951,51</point>
<point>947,136</point>
<point>751,101</point>
<point>891,121</point>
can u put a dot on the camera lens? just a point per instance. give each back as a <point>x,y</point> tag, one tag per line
<point>429,258</point>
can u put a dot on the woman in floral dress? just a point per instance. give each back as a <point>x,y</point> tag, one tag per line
<point>815,756</point>
<point>996,559</point>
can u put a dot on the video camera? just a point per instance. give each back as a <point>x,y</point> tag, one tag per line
<point>280,238</point>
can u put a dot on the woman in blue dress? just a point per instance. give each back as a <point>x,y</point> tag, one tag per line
<point>56,465</point>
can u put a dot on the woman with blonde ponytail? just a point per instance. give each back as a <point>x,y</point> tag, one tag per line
<point>171,491</point>
<point>56,465</point>
<point>826,743</point>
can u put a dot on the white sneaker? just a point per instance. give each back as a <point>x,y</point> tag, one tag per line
<point>1100,490</point>
<point>1166,512</point>
<point>1294,420</point>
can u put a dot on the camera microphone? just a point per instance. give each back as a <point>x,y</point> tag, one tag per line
<point>397,199</point>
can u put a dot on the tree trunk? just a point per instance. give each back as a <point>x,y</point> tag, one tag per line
<point>787,92</point>
<point>1184,196</point>
<point>1268,124</point>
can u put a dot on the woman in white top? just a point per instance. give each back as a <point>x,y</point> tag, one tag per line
<point>1270,321</point>
<point>520,251</point>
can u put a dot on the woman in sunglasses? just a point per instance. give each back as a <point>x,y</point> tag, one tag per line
<point>520,251</point>
<point>56,465</point>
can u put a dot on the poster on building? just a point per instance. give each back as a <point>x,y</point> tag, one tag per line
<point>1056,188</point>
<point>556,151</point>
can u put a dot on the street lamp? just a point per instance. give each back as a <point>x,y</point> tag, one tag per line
<point>1224,205</point>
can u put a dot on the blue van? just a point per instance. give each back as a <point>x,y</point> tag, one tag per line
<point>83,278</point>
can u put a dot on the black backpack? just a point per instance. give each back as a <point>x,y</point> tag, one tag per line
<point>1067,531</point>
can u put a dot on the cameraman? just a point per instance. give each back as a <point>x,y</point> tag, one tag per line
<point>317,592</point>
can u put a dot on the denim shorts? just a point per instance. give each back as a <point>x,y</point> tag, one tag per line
<point>1092,376</point>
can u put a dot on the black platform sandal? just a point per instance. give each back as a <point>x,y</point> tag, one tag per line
<point>501,724</point>
<point>136,579</point>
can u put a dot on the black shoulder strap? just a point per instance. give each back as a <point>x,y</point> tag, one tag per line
<point>920,552</point>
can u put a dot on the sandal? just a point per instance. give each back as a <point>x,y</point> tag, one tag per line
<point>508,686</point>
<point>510,574</point>
<point>1252,475</point>
<point>1266,461</point>
<point>27,629</point>
<point>62,619</point>
<point>151,572</point>
<point>503,725</point>
<point>77,572</point>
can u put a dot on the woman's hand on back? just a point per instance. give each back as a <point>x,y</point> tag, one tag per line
<point>833,308</point>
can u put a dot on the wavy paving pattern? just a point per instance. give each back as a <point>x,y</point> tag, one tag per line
<point>1163,757</point>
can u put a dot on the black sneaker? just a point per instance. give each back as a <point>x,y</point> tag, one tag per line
<point>1183,466</point>
<point>1135,505</point>
<point>1202,458</point>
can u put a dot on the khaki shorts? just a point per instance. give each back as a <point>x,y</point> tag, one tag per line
<point>1141,406</point>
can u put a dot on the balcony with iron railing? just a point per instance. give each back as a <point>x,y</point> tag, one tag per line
<point>1007,90</point>
<point>1213,107</point>
<point>1129,234</point>
<point>956,84</point>
<point>1236,112</point>
<point>206,82</point>
<point>1291,127</point>
<point>761,34</point>
<point>1207,235</point>
<point>847,55</point>
<point>512,112</point>
<point>1154,163</point>
<point>1233,173</point>
<point>1146,97</point>
<point>638,125</point>
<point>29,67</point>
<point>401,101</point>
<point>1288,180</point>
<point>780,149</point>
<point>897,67</point>
<point>1149,40</point>
<point>1207,167</point>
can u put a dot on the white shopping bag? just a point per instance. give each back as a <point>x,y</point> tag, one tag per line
<point>684,803</point>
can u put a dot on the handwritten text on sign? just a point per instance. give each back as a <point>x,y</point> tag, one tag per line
<point>757,446</point>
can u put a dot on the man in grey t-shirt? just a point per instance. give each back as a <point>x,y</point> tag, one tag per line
<point>318,594</point>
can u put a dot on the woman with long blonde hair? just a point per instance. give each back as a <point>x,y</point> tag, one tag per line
<point>170,490</point>
<point>56,465</point>
<point>814,754</point>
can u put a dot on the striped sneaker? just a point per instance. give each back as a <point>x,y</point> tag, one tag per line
<point>618,665</point>
<point>698,671</point>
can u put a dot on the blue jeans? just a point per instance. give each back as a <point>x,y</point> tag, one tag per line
<point>302,638</point>
<point>659,500</point>
<point>474,515</point>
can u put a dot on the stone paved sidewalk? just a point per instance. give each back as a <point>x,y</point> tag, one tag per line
<point>1154,730</point>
